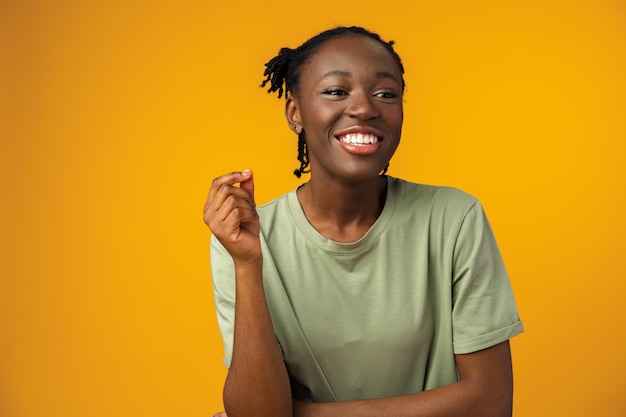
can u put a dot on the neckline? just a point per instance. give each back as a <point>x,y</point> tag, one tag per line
<point>343,248</point>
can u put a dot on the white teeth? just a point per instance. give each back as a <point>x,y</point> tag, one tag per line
<point>359,139</point>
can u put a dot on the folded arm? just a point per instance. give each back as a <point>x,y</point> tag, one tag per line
<point>485,389</point>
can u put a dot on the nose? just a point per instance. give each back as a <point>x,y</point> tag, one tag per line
<point>361,106</point>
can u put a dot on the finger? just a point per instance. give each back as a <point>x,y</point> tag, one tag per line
<point>227,197</point>
<point>230,204</point>
<point>238,217</point>
<point>248,184</point>
<point>232,199</point>
<point>228,179</point>
<point>230,229</point>
<point>227,191</point>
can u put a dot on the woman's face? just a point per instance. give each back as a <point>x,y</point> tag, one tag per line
<point>349,105</point>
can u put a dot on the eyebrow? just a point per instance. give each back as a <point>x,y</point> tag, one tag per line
<point>340,73</point>
<point>337,73</point>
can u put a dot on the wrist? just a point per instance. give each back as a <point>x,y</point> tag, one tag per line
<point>249,267</point>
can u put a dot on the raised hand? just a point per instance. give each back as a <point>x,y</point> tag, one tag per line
<point>230,213</point>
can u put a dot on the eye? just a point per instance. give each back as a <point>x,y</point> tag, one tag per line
<point>335,92</point>
<point>386,94</point>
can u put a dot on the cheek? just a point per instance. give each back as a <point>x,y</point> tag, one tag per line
<point>394,118</point>
<point>320,118</point>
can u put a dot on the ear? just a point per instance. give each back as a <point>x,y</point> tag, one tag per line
<point>292,113</point>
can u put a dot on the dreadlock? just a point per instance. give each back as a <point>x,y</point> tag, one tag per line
<point>282,73</point>
<point>303,156</point>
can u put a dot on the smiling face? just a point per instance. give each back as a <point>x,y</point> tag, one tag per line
<point>349,104</point>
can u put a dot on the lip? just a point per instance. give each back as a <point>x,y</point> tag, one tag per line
<point>360,150</point>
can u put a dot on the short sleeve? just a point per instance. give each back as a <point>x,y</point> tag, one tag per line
<point>484,312</point>
<point>223,275</point>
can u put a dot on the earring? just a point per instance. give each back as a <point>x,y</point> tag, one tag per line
<point>295,127</point>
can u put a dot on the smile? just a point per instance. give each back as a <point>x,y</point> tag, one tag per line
<point>359,139</point>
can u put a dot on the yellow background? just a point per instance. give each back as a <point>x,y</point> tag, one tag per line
<point>116,115</point>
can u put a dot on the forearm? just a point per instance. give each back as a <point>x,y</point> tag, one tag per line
<point>449,401</point>
<point>257,382</point>
<point>485,389</point>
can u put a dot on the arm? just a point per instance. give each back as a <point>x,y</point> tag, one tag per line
<point>485,389</point>
<point>257,383</point>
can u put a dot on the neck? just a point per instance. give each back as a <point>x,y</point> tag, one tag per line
<point>343,212</point>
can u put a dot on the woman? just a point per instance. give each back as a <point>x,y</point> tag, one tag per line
<point>358,293</point>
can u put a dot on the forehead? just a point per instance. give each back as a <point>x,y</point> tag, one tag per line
<point>351,53</point>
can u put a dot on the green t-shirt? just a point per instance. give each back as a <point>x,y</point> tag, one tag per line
<point>385,315</point>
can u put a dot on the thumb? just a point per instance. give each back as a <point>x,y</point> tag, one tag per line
<point>248,184</point>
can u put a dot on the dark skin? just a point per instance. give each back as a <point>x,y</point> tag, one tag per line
<point>350,87</point>
<point>360,92</point>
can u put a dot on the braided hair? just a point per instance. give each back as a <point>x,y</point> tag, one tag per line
<point>282,73</point>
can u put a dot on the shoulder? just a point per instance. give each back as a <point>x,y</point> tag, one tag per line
<point>277,216</point>
<point>275,210</point>
<point>272,206</point>
<point>435,198</point>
